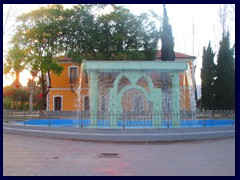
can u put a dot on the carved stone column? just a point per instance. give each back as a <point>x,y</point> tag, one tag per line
<point>93,98</point>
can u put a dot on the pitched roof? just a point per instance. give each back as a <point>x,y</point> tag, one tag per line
<point>64,58</point>
<point>177,55</point>
<point>158,56</point>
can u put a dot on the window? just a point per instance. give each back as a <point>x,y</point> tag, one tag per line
<point>86,103</point>
<point>86,77</point>
<point>57,103</point>
<point>73,75</point>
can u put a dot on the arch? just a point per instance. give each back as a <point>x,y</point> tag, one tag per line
<point>142,81</point>
<point>151,95</point>
<point>123,82</point>
<point>133,77</point>
<point>127,88</point>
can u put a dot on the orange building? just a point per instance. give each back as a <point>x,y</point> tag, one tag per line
<point>63,95</point>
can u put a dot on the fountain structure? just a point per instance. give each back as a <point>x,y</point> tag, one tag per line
<point>134,86</point>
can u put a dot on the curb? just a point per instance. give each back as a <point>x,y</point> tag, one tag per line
<point>120,135</point>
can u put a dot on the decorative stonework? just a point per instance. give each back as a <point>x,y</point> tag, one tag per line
<point>136,76</point>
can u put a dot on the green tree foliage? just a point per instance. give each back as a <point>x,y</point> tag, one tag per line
<point>118,35</point>
<point>14,96</point>
<point>7,103</point>
<point>79,26</point>
<point>82,33</point>
<point>15,61</point>
<point>17,97</point>
<point>225,76</point>
<point>207,76</point>
<point>40,33</point>
<point>150,35</point>
<point>167,49</point>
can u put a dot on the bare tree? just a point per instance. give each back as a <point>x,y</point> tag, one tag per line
<point>9,14</point>
<point>231,11</point>
<point>226,15</point>
<point>222,13</point>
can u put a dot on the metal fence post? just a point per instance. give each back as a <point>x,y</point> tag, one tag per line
<point>81,118</point>
<point>168,120</point>
<point>204,120</point>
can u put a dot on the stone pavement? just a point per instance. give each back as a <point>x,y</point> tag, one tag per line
<point>41,156</point>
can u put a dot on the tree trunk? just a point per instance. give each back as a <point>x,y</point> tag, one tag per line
<point>43,92</point>
<point>31,100</point>
<point>17,76</point>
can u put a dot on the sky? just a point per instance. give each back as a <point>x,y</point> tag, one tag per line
<point>193,26</point>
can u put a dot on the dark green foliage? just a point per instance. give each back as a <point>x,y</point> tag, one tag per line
<point>118,35</point>
<point>167,49</point>
<point>207,76</point>
<point>225,76</point>
<point>7,103</point>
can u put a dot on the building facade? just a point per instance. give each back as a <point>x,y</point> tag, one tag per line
<point>69,92</point>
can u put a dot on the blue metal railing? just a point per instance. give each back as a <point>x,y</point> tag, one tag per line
<point>182,119</point>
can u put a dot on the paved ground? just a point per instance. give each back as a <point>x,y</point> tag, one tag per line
<point>39,156</point>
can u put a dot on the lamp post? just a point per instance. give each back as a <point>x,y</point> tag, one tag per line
<point>31,86</point>
<point>31,96</point>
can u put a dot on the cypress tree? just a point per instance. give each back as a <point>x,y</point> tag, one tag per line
<point>167,49</point>
<point>207,76</point>
<point>225,76</point>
